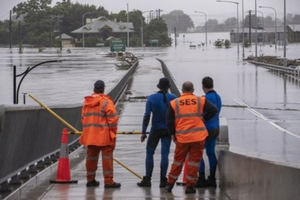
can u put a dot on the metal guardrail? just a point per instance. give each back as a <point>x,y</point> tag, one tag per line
<point>281,69</point>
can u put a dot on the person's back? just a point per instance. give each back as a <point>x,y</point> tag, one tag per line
<point>215,98</point>
<point>185,121</point>
<point>213,128</point>
<point>99,122</point>
<point>157,105</point>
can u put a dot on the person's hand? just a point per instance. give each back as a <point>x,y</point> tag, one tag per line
<point>174,138</point>
<point>143,137</point>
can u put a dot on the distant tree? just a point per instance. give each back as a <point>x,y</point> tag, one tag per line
<point>268,22</point>
<point>157,29</point>
<point>254,20</point>
<point>230,23</point>
<point>296,19</point>
<point>178,19</point>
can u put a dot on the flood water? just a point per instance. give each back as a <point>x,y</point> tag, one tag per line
<point>261,108</point>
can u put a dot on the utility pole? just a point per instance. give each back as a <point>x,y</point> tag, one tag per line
<point>127,27</point>
<point>159,10</point>
<point>10,32</point>
<point>20,40</point>
<point>250,27</point>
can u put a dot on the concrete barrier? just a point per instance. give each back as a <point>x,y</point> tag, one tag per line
<point>246,178</point>
<point>29,134</point>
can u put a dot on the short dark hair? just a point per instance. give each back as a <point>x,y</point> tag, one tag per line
<point>98,90</point>
<point>208,82</point>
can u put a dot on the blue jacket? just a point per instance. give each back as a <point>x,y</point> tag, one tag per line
<point>157,104</point>
<point>214,123</point>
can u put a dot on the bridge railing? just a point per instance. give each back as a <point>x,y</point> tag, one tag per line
<point>295,72</point>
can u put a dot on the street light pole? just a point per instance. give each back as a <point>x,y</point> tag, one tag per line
<point>127,27</point>
<point>243,21</point>
<point>237,24</point>
<point>275,23</point>
<point>83,25</point>
<point>262,23</point>
<point>142,34</point>
<point>205,25</point>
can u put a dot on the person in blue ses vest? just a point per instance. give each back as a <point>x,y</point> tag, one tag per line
<point>157,105</point>
<point>213,128</point>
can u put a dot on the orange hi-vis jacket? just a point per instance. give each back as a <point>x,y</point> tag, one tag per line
<point>99,120</point>
<point>189,126</point>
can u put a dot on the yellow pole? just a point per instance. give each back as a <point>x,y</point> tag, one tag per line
<point>124,133</point>
<point>77,132</point>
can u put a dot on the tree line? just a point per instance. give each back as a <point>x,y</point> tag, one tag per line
<point>36,23</point>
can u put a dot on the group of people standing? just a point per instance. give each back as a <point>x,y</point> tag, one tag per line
<point>190,121</point>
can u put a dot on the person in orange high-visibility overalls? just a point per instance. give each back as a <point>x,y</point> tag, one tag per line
<point>99,121</point>
<point>185,121</point>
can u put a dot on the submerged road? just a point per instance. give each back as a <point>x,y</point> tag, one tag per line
<point>261,108</point>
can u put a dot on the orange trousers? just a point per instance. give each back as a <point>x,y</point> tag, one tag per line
<point>91,163</point>
<point>194,151</point>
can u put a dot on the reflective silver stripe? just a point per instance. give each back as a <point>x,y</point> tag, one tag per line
<point>92,158</point>
<point>191,178</point>
<point>112,115</point>
<point>176,106</point>
<point>112,125</point>
<point>174,177</point>
<point>199,105</point>
<point>193,164</point>
<point>104,106</point>
<point>108,172</point>
<point>177,163</point>
<point>64,151</point>
<point>96,125</point>
<point>107,157</point>
<point>190,130</point>
<point>90,173</point>
<point>93,114</point>
<point>188,115</point>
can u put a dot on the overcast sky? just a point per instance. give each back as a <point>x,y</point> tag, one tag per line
<point>213,9</point>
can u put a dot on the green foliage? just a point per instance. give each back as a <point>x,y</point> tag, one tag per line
<point>42,23</point>
<point>178,19</point>
<point>218,43</point>
<point>227,43</point>
<point>246,43</point>
<point>91,41</point>
<point>157,29</point>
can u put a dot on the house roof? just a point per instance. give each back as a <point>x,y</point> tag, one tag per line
<point>265,30</point>
<point>294,27</point>
<point>65,37</point>
<point>100,23</point>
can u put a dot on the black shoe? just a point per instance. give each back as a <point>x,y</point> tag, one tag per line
<point>163,182</point>
<point>190,190</point>
<point>115,185</point>
<point>201,183</point>
<point>146,182</point>
<point>211,182</point>
<point>169,187</point>
<point>92,183</point>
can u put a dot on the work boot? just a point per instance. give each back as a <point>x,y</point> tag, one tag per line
<point>163,182</point>
<point>114,185</point>
<point>146,182</point>
<point>190,190</point>
<point>201,182</point>
<point>169,187</point>
<point>211,181</point>
<point>92,183</point>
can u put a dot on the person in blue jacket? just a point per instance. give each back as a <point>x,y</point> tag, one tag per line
<point>213,128</point>
<point>157,105</point>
